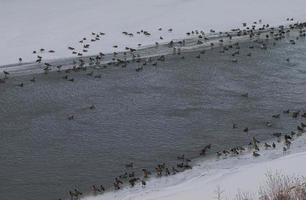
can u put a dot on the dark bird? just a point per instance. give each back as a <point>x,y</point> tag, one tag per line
<point>33,79</point>
<point>295,114</point>
<point>267,145</point>
<point>273,145</point>
<point>139,69</point>
<point>277,134</point>
<point>276,116</point>
<point>59,68</point>
<point>130,165</point>
<point>255,154</point>
<point>268,124</point>
<point>300,128</point>
<point>245,95</point>
<point>286,111</point>
<point>235,126</point>
<point>6,73</point>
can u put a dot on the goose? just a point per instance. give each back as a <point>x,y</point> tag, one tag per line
<point>235,126</point>
<point>286,111</point>
<point>182,157</point>
<point>245,95</point>
<point>295,114</point>
<point>129,165</point>
<point>276,116</point>
<point>277,134</point>
<point>143,183</point>
<point>268,124</point>
<point>139,69</point>
<point>267,145</point>
<point>255,154</point>
<point>33,80</point>
<point>300,128</point>
<point>6,73</point>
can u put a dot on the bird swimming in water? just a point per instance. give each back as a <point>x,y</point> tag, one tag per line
<point>276,116</point>
<point>129,165</point>
<point>33,80</point>
<point>245,95</point>
<point>268,124</point>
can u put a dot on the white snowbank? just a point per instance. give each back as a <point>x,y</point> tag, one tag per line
<point>34,24</point>
<point>242,173</point>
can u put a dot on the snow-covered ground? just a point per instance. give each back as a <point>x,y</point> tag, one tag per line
<point>243,173</point>
<point>54,25</point>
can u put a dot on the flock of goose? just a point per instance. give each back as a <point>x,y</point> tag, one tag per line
<point>259,36</point>
<point>183,163</point>
<point>256,32</point>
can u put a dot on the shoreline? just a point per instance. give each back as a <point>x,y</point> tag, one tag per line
<point>207,171</point>
<point>148,51</point>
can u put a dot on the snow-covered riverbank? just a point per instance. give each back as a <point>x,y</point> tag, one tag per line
<point>54,25</point>
<point>243,173</point>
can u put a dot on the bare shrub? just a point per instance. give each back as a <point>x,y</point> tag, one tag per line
<point>219,193</point>
<point>283,187</point>
<point>243,196</point>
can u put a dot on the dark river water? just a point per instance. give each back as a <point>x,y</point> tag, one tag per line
<point>146,117</point>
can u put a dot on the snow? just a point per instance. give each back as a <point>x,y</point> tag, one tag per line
<point>243,173</point>
<point>30,25</point>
